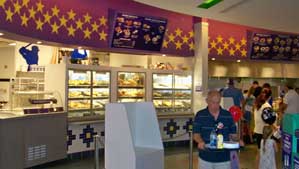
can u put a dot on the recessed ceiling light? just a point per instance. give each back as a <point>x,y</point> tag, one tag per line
<point>38,42</point>
<point>12,44</point>
<point>1,34</point>
<point>213,59</point>
<point>163,55</point>
<point>238,60</point>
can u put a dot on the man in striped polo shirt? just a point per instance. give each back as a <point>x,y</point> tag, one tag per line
<point>204,122</point>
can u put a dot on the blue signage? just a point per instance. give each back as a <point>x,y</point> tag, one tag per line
<point>286,150</point>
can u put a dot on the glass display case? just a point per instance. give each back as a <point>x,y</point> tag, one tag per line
<point>172,93</point>
<point>130,87</point>
<point>88,92</point>
<point>27,96</point>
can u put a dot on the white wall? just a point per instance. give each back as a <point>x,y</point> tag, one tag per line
<point>117,60</point>
<point>7,63</point>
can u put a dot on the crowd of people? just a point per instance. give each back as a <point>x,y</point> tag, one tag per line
<point>254,128</point>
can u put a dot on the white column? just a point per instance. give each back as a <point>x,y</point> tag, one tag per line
<point>201,71</point>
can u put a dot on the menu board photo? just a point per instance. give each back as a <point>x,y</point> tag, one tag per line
<point>138,32</point>
<point>275,47</point>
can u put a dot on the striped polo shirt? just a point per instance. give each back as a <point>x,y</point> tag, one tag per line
<point>204,123</point>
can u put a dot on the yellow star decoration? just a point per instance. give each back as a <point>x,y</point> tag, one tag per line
<point>95,26</point>
<point>225,45</point>
<point>39,24</point>
<point>243,41</point>
<point>55,11</point>
<point>2,3</point>
<point>213,44</point>
<point>25,3</point>
<point>178,44</point>
<point>231,52</point>
<point>103,21</point>
<point>165,44</point>
<point>24,19</point>
<point>9,14</point>
<point>243,52</point>
<point>219,39</point>
<point>40,6</point>
<point>191,34</point>
<point>231,40</point>
<point>71,14</point>
<point>79,24</point>
<point>87,18</point>
<point>62,21</point>
<point>87,33</point>
<point>185,39</point>
<point>71,31</point>
<point>171,37</point>
<point>55,28</point>
<point>32,13</point>
<point>47,17</point>
<point>191,46</point>
<point>178,32</point>
<point>17,7</point>
<point>103,35</point>
<point>219,51</point>
<point>238,46</point>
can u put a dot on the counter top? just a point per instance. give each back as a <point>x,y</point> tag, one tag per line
<point>10,114</point>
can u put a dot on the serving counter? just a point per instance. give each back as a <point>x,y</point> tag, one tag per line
<point>30,140</point>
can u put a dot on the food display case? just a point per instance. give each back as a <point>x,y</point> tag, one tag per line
<point>172,93</point>
<point>130,86</point>
<point>88,92</point>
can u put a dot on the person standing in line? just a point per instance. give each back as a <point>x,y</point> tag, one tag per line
<point>204,123</point>
<point>268,149</point>
<point>233,92</point>
<point>290,100</point>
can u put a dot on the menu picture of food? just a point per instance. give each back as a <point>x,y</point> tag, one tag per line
<point>138,32</point>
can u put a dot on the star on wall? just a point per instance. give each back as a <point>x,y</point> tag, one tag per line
<point>40,6</point>
<point>55,27</point>
<point>231,40</point>
<point>71,14</point>
<point>87,18</point>
<point>231,52</point>
<point>24,19</point>
<point>62,21</point>
<point>185,39</point>
<point>47,17</point>
<point>191,46</point>
<point>103,35</point>
<point>243,52</point>
<point>39,24</point>
<point>25,3</point>
<point>238,46</point>
<point>9,14</point>
<point>165,44</point>
<point>32,13</point>
<point>219,39</point>
<point>191,34</point>
<point>71,31</point>
<point>213,44</point>
<point>17,7</point>
<point>178,44</point>
<point>55,11</point>
<point>79,24</point>
<point>2,3</point>
<point>219,51</point>
<point>225,45</point>
<point>87,33</point>
<point>103,21</point>
<point>243,41</point>
<point>95,26</point>
<point>171,37</point>
<point>178,32</point>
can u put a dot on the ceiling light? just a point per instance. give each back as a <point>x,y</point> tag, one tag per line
<point>12,44</point>
<point>38,42</point>
<point>238,60</point>
<point>208,3</point>
<point>213,58</point>
<point>163,55</point>
<point>1,34</point>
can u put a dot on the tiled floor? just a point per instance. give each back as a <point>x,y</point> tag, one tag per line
<point>175,158</point>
